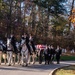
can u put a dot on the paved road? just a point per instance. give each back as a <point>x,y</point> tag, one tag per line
<point>36,69</point>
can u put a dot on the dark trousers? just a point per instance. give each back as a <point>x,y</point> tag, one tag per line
<point>41,57</point>
<point>49,58</point>
<point>46,58</point>
<point>33,46</point>
<point>29,49</point>
<point>58,58</point>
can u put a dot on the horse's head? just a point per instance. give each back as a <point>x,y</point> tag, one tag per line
<point>22,42</point>
<point>8,41</point>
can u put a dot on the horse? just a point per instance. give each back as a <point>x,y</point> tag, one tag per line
<point>24,54</point>
<point>18,52</point>
<point>4,52</point>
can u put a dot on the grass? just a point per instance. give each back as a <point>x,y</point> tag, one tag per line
<point>67,58</point>
<point>70,70</point>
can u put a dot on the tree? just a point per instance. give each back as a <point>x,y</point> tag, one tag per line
<point>71,13</point>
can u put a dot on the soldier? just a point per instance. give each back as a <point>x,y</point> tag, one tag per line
<point>52,53</point>
<point>13,43</point>
<point>49,54</point>
<point>46,55</point>
<point>31,39</point>
<point>27,43</point>
<point>58,53</point>
<point>41,55</point>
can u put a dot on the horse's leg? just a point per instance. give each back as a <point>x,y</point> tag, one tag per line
<point>29,58</point>
<point>18,57</point>
<point>22,58</point>
<point>33,58</point>
<point>5,55</point>
<point>14,58</point>
<point>9,63</point>
<point>0,57</point>
<point>9,58</point>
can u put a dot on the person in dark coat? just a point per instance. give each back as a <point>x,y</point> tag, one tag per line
<point>52,53</point>
<point>46,55</point>
<point>58,53</point>
<point>40,56</point>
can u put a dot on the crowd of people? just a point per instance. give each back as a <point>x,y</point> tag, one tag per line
<point>21,52</point>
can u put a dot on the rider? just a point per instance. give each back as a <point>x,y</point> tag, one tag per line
<point>25,38</point>
<point>31,39</point>
<point>13,42</point>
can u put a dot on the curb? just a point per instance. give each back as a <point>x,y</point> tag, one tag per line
<point>53,71</point>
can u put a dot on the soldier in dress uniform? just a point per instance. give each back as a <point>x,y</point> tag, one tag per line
<point>58,53</point>
<point>49,54</point>
<point>41,52</point>
<point>52,53</point>
<point>13,43</point>
<point>31,39</point>
<point>46,55</point>
<point>27,43</point>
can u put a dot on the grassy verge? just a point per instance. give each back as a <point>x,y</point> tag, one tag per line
<point>70,70</point>
<point>67,58</point>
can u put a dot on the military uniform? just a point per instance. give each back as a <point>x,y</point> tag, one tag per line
<point>58,53</point>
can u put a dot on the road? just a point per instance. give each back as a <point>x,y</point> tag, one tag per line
<point>37,69</point>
